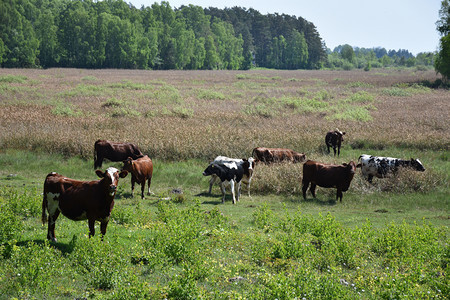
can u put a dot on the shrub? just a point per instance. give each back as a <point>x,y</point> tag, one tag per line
<point>103,264</point>
<point>65,109</point>
<point>113,102</point>
<point>10,225</point>
<point>13,78</point>
<point>210,95</point>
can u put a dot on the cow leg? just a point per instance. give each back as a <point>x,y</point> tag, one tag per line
<point>334,150</point>
<point>51,225</point>
<point>222,188</point>
<point>132,186</point>
<point>369,178</point>
<point>149,181</point>
<point>233,190</point>
<point>91,223</point>
<point>142,189</point>
<point>98,162</point>
<point>248,189</point>
<point>103,226</point>
<point>239,191</point>
<point>313,189</point>
<point>305,188</point>
<point>339,194</point>
<point>211,182</point>
<point>339,150</point>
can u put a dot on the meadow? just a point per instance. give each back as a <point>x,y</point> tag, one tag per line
<point>385,240</point>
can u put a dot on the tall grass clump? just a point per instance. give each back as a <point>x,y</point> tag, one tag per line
<point>85,90</point>
<point>13,79</point>
<point>65,109</point>
<point>210,95</point>
<point>282,178</point>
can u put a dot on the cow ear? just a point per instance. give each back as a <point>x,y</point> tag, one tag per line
<point>344,164</point>
<point>123,174</point>
<point>359,165</point>
<point>100,173</point>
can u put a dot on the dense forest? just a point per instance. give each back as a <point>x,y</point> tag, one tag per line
<point>115,34</point>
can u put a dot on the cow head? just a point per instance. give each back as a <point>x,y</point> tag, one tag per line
<point>128,164</point>
<point>111,178</point>
<point>340,134</point>
<point>210,170</point>
<point>417,165</point>
<point>351,167</point>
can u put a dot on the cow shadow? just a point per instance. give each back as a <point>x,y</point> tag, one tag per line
<point>64,248</point>
<point>213,202</point>
<point>329,202</point>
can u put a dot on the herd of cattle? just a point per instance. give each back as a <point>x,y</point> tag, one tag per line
<point>94,200</point>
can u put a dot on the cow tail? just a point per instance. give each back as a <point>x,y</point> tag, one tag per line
<point>44,208</point>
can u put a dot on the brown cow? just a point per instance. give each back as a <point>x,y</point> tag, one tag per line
<point>269,155</point>
<point>114,152</point>
<point>333,139</point>
<point>327,176</point>
<point>141,170</point>
<point>80,200</point>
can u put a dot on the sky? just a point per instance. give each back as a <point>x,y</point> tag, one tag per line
<point>390,24</point>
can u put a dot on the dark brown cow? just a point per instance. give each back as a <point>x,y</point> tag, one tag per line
<point>80,200</point>
<point>114,152</point>
<point>269,155</point>
<point>141,170</point>
<point>327,176</point>
<point>333,139</point>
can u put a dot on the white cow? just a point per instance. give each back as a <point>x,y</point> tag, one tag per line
<point>381,166</point>
<point>232,164</point>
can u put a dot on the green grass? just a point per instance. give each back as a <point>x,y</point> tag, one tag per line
<point>373,245</point>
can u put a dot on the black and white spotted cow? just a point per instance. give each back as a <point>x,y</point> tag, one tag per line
<point>229,173</point>
<point>382,166</point>
<point>248,175</point>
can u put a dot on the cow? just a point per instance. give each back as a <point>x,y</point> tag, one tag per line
<point>333,139</point>
<point>246,179</point>
<point>229,172</point>
<point>114,152</point>
<point>141,170</point>
<point>383,166</point>
<point>269,155</point>
<point>327,176</point>
<point>80,200</point>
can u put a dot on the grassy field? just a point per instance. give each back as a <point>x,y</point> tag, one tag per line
<point>385,240</point>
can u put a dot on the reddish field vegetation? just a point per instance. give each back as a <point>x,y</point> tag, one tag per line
<point>198,114</point>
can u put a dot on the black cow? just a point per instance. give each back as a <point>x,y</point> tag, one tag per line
<point>333,139</point>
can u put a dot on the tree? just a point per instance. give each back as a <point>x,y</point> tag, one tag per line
<point>442,62</point>
<point>443,24</point>
<point>347,53</point>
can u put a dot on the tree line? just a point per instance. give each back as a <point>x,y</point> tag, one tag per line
<point>114,34</point>
<point>347,57</point>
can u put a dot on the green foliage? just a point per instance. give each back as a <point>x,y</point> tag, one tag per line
<point>442,63</point>
<point>13,79</point>
<point>87,34</point>
<point>104,268</point>
<point>210,95</point>
<point>65,109</point>
<point>10,225</point>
